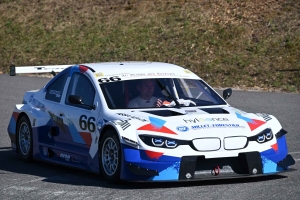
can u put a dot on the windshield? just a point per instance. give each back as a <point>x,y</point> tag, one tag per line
<point>161,93</point>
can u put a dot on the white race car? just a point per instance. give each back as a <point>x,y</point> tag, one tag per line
<point>143,121</point>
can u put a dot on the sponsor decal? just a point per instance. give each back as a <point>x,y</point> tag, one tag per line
<point>265,116</point>
<point>55,118</point>
<point>99,74</point>
<point>196,120</point>
<point>123,123</point>
<point>204,126</point>
<point>132,116</point>
<point>187,111</point>
<point>36,103</point>
<point>65,156</point>
<point>156,125</point>
<point>58,120</point>
<point>182,128</point>
<point>55,92</point>
<point>252,123</point>
<point>187,71</point>
<point>100,123</point>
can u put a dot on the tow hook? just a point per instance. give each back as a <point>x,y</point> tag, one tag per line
<point>215,171</point>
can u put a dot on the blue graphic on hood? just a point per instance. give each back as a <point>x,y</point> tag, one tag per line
<point>244,118</point>
<point>157,122</point>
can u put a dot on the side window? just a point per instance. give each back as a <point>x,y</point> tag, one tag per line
<point>55,90</point>
<point>80,85</point>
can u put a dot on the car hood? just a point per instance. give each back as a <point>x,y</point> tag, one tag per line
<point>189,123</point>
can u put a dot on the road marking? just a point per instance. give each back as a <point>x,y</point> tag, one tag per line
<point>5,148</point>
<point>297,159</point>
<point>295,152</point>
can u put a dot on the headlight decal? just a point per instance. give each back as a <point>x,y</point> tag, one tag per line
<point>262,137</point>
<point>162,142</point>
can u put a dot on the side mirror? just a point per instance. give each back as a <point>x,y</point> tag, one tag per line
<point>227,93</point>
<point>74,99</point>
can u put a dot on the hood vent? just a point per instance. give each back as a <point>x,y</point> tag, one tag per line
<point>214,110</point>
<point>163,113</point>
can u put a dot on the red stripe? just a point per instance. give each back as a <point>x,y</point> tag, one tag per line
<point>256,124</point>
<point>87,137</point>
<point>15,115</point>
<point>153,154</point>
<point>150,127</point>
<point>275,147</point>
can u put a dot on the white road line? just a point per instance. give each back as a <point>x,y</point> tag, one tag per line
<point>296,152</point>
<point>297,159</point>
<point>6,149</point>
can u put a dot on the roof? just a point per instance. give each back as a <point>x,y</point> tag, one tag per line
<point>131,70</point>
<point>129,66</point>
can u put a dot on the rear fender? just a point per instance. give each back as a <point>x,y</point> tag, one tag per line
<point>35,116</point>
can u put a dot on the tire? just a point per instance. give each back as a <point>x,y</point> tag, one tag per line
<point>110,156</point>
<point>24,138</point>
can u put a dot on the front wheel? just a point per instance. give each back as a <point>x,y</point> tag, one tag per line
<point>110,156</point>
<point>24,138</point>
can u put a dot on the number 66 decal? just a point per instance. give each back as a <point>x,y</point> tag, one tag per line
<point>87,123</point>
<point>110,79</point>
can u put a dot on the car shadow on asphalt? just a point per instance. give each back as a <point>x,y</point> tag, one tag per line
<point>11,162</point>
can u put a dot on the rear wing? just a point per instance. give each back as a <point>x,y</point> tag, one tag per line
<point>53,69</point>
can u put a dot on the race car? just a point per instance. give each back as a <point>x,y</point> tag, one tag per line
<point>143,121</point>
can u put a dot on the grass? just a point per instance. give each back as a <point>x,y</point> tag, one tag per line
<point>229,43</point>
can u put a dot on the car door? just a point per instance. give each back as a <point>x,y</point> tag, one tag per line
<point>79,125</point>
<point>52,97</point>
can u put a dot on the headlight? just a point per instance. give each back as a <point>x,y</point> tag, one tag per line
<point>162,142</point>
<point>264,136</point>
<point>158,142</point>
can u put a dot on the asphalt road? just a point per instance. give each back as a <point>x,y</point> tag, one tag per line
<point>38,180</point>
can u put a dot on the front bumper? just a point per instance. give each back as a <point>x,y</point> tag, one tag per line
<point>138,167</point>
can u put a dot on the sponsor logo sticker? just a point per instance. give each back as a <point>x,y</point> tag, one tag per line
<point>205,126</point>
<point>65,156</point>
<point>182,128</point>
<point>195,120</point>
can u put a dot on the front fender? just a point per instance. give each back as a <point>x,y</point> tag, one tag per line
<point>126,130</point>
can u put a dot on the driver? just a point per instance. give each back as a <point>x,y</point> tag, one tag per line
<point>145,98</point>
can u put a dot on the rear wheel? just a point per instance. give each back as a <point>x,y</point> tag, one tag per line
<point>24,138</point>
<point>110,156</point>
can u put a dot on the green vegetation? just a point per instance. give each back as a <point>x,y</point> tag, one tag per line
<point>229,43</point>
